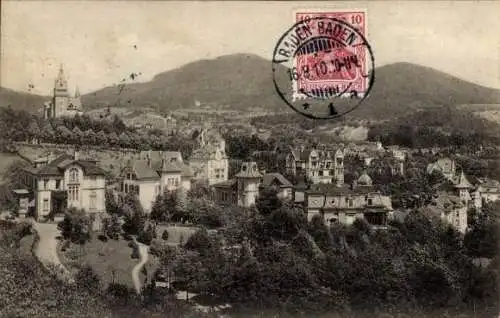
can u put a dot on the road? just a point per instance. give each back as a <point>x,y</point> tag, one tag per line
<point>46,249</point>
<point>144,257</point>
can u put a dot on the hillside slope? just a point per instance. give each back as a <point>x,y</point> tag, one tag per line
<point>404,87</point>
<point>243,82</point>
<point>21,100</point>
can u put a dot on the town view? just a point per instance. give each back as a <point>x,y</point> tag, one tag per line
<point>199,193</point>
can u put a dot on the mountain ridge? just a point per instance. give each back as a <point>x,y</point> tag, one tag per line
<point>243,82</point>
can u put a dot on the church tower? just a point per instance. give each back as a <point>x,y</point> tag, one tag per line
<point>61,95</point>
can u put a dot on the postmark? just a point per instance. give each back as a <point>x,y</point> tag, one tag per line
<point>323,66</point>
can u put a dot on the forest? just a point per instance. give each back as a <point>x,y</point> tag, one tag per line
<point>83,130</point>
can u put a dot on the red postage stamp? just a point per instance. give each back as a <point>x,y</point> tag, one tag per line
<point>335,61</point>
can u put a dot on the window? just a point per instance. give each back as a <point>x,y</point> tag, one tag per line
<point>73,175</point>
<point>224,196</point>
<point>73,192</point>
<point>45,184</point>
<point>58,184</point>
<point>45,205</point>
<point>351,203</point>
<point>126,187</point>
<point>320,173</point>
<point>93,200</point>
<point>122,187</point>
<point>370,201</point>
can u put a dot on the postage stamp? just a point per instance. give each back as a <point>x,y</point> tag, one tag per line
<point>332,64</point>
<point>327,57</point>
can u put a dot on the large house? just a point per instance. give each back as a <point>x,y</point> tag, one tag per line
<point>153,174</point>
<point>57,182</point>
<point>446,166</point>
<point>209,161</point>
<point>345,204</point>
<point>319,166</point>
<point>245,187</point>
<point>455,195</point>
<point>487,190</point>
<point>62,104</point>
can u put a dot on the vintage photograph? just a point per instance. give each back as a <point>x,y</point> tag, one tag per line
<point>250,159</point>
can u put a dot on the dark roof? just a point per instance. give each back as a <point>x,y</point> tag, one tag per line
<point>225,184</point>
<point>56,166</point>
<point>269,178</point>
<point>143,171</point>
<point>186,171</point>
<point>333,189</point>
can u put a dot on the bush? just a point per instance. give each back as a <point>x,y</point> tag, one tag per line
<point>135,253</point>
<point>65,245</point>
<point>164,235</point>
<point>119,291</point>
<point>102,238</point>
<point>146,236</point>
<point>87,278</point>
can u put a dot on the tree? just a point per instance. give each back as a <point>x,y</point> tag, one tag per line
<point>483,238</point>
<point>111,203</point>
<point>124,140</point>
<point>135,218</point>
<point>102,138</point>
<point>76,225</point>
<point>164,235</point>
<point>146,236</point>
<point>204,212</point>
<point>199,241</point>
<point>113,139</point>
<point>165,206</point>
<point>268,201</point>
<point>114,227</point>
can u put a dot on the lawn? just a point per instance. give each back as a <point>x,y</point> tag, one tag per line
<point>176,234</point>
<point>26,244</point>
<point>111,260</point>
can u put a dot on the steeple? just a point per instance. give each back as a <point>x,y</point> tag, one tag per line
<point>61,84</point>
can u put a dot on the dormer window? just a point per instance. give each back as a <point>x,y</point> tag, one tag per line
<point>73,175</point>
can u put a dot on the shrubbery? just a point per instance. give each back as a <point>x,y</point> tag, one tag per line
<point>164,235</point>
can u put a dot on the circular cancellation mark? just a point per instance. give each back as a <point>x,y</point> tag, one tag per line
<point>323,67</point>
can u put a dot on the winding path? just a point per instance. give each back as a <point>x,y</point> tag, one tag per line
<point>46,249</point>
<point>144,255</point>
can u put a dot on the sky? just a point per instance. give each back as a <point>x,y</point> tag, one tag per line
<point>101,42</point>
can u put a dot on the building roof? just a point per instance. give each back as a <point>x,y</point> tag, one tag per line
<point>364,180</point>
<point>226,184</point>
<point>186,171</point>
<point>249,170</point>
<point>142,170</point>
<point>145,171</point>
<point>56,166</point>
<point>207,152</point>
<point>20,191</point>
<point>446,202</point>
<point>270,178</point>
<point>444,165</point>
<point>332,189</point>
<point>461,182</point>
